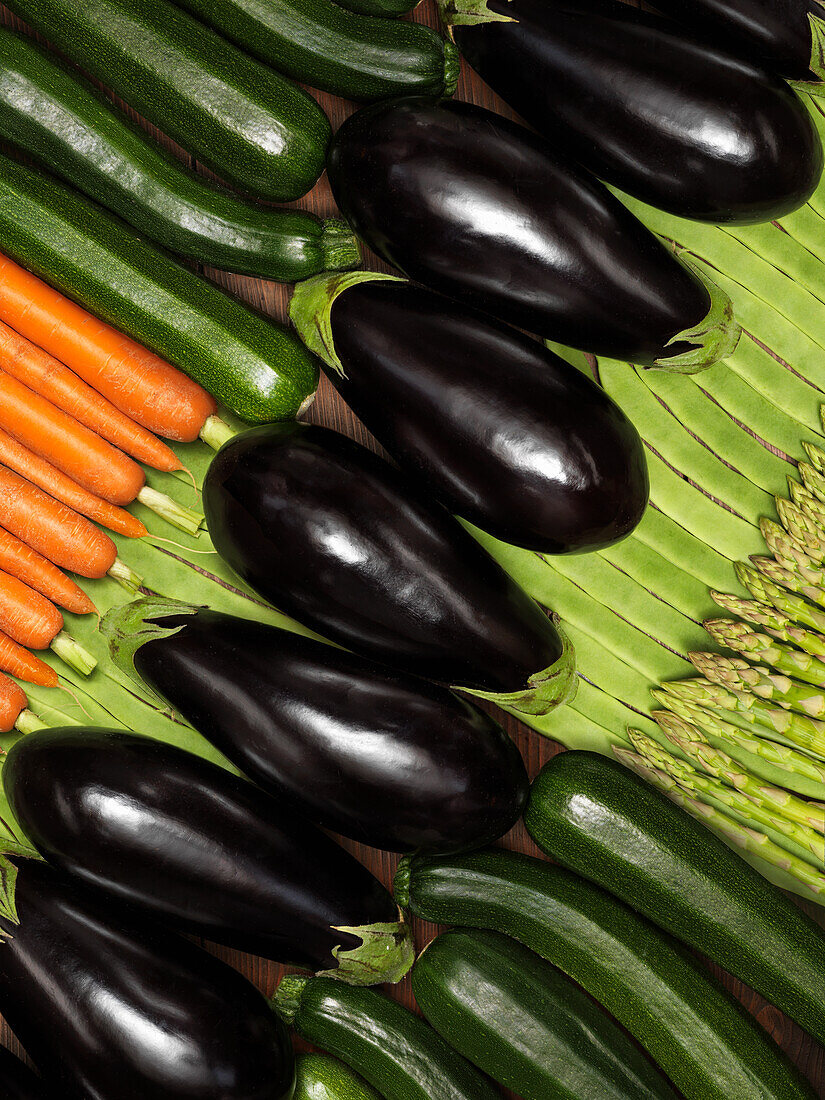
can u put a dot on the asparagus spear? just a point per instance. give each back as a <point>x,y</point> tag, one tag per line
<point>798,729</point>
<point>788,553</point>
<point>791,579</point>
<point>736,673</point>
<point>732,832</point>
<point>815,454</point>
<point>803,517</point>
<point>775,622</point>
<point>764,590</point>
<point>715,762</point>
<point>813,480</point>
<point>777,764</point>
<point>750,807</point>
<point>762,647</point>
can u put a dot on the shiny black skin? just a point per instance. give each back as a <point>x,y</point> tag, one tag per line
<point>663,115</point>
<point>376,755</point>
<point>17,1082</point>
<point>111,1008</point>
<point>481,209</point>
<point>502,431</point>
<point>187,842</point>
<point>774,32</point>
<point>343,542</point>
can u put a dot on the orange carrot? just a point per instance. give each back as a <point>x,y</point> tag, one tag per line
<point>27,617</point>
<point>24,665</point>
<point>39,573</point>
<point>37,470</point>
<point>54,530</point>
<point>86,458</point>
<point>13,702</point>
<point>138,382</point>
<point>31,620</point>
<point>47,376</point>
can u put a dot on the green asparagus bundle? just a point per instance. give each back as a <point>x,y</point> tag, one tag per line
<point>763,648</point>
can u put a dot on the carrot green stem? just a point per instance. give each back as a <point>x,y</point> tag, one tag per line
<point>125,575</point>
<point>216,432</point>
<point>177,514</point>
<point>28,722</point>
<point>73,653</point>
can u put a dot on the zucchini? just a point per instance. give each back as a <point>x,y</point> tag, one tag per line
<point>254,128</point>
<point>709,1046</point>
<point>396,1052</point>
<point>596,817</point>
<point>319,1077</point>
<point>340,51</point>
<point>384,9</point>
<point>56,116</point>
<point>252,366</point>
<point>527,1025</point>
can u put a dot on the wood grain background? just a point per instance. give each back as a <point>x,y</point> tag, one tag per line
<point>329,409</point>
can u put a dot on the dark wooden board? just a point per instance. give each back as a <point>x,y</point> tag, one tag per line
<point>330,410</point>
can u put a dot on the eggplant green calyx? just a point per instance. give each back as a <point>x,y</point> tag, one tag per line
<point>545,690</point>
<point>385,955</point>
<point>134,624</point>
<point>8,879</point>
<point>817,66</point>
<point>469,13</point>
<point>287,997</point>
<point>311,310</point>
<point>715,337</point>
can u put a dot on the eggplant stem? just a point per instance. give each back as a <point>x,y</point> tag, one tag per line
<point>715,337</point>
<point>385,954</point>
<point>311,308</point>
<point>469,13</point>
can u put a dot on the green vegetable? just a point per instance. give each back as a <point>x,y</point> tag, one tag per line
<point>252,366</point>
<point>384,9</point>
<point>777,624</point>
<point>599,819</point>
<point>52,114</point>
<point>762,647</point>
<point>340,51</point>
<point>736,674</point>
<point>525,1024</point>
<point>319,1077</point>
<point>252,127</point>
<point>396,1052</point>
<point>703,1039</point>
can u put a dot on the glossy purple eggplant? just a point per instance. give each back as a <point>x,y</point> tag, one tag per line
<point>646,106</point>
<point>187,842</point>
<point>394,762</point>
<point>482,210</point>
<point>500,430</point>
<point>110,1008</point>
<point>334,536</point>
<point>787,36</point>
<point>17,1082</point>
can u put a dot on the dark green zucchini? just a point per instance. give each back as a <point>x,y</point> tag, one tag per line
<point>705,1041</point>
<point>319,1077</point>
<point>340,51</point>
<point>600,819</point>
<point>56,116</point>
<point>252,366</point>
<point>396,1052</point>
<point>384,9</point>
<point>254,128</point>
<point>525,1024</point>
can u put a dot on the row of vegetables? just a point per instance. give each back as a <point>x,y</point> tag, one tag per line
<point>134,840</point>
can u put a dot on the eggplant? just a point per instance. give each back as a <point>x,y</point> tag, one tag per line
<point>632,97</point>
<point>786,36</point>
<point>502,431</point>
<point>354,549</point>
<point>378,756</point>
<point>481,209</point>
<point>17,1082</point>
<point>183,840</point>
<point>112,1008</point>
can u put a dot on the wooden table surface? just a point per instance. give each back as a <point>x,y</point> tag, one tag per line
<point>330,410</point>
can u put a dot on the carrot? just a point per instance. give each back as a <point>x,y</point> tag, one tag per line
<point>86,458</point>
<point>14,709</point>
<point>37,470</point>
<point>54,530</point>
<point>24,665</point>
<point>33,569</point>
<point>27,617</point>
<point>47,376</point>
<point>33,621</point>
<point>142,385</point>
